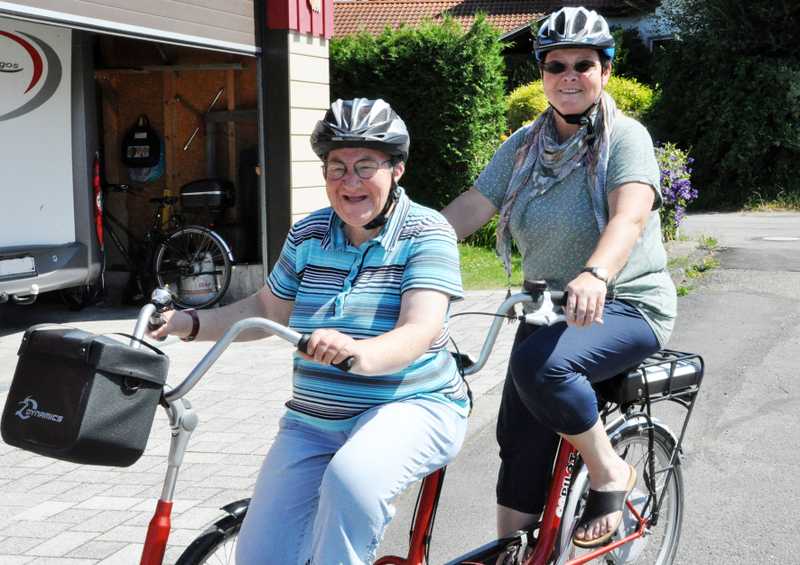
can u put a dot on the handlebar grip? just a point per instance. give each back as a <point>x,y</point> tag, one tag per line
<point>559,297</point>
<point>155,322</point>
<point>345,365</point>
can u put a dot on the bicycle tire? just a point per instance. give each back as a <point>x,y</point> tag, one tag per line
<point>661,544</point>
<point>196,264</point>
<point>216,545</point>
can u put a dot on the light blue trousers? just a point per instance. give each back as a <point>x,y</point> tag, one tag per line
<point>325,497</point>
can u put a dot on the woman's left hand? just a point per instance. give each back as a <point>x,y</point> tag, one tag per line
<point>330,346</point>
<point>585,300</point>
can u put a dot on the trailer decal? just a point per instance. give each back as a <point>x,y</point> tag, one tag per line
<point>52,73</point>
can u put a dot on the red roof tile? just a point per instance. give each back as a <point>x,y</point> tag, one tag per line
<point>373,16</point>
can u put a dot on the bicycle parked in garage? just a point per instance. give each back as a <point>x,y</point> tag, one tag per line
<point>193,261</point>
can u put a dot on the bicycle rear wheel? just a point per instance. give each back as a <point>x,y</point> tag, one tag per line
<point>196,264</point>
<point>660,544</point>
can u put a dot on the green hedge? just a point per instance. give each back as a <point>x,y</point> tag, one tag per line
<point>731,92</point>
<point>527,102</point>
<point>446,84</point>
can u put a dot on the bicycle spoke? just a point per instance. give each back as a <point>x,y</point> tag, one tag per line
<point>195,262</point>
<point>659,543</point>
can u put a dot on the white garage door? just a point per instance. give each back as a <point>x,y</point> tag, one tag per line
<point>222,25</point>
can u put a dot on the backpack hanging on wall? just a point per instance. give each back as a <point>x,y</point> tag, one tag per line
<point>143,152</point>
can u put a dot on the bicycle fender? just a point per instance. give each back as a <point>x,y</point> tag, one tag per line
<point>637,422</point>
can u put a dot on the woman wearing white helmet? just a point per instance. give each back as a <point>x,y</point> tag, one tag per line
<point>577,191</point>
<point>370,277</point>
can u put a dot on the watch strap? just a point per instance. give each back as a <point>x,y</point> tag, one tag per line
<point>195,325</point>
<point>596,272</point>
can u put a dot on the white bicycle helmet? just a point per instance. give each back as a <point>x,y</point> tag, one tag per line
<point>574,27</point>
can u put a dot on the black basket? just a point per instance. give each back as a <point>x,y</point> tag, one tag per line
<point>83,398</point>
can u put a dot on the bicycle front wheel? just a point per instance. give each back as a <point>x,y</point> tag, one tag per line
<point>659,545</point>
<point>196,264</point>
<point>217,545</point>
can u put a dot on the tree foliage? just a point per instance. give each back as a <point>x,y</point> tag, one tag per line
<point>447,85</point>
<point>730,90</point>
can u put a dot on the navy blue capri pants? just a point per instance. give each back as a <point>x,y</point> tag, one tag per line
<point>548,390</point>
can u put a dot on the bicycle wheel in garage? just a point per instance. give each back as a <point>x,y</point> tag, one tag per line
<point>196,264</point>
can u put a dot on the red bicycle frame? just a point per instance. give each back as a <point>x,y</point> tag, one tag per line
<point>431,487</point>
<point>550,525</point>
<point>157,534</point>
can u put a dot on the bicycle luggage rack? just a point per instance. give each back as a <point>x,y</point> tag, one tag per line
<point>665,375</point>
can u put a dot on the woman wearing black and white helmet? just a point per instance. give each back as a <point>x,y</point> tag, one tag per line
<point>370,277</point>
<point>577,192</point>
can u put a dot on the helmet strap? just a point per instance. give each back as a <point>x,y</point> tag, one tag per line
<point>581,119</point>
<point>381,218</point>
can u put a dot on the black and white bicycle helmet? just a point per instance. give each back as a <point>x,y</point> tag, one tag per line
<point>361,122</point>
<point>574,27</point>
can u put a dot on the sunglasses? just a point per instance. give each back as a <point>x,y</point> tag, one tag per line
<point>557,67</point>
<point>364,169</point>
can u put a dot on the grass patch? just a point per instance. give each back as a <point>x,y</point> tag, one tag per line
<point>781,203</point>
<point>699,269</point>
<point>708,242</point>
<point>482,269</point>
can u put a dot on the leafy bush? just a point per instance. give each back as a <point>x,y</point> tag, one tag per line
<point>676,187</point>
<point>730,89</point>
<point>631,96</point>
<point>527,102</point>
<point>446,83</point>
<point>484,236</point>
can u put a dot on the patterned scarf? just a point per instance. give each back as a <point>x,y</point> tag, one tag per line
<point>541,162</point>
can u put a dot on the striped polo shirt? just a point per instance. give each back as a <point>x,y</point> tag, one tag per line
<point>357,291</point>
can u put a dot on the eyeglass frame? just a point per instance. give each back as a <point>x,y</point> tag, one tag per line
<point>392,162</point>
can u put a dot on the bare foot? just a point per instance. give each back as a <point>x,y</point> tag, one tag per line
<point>615,479</point>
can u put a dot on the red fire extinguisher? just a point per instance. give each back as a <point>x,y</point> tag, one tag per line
<point>98,201</point>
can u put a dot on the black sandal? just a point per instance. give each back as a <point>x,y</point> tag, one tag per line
<point>599,503</point>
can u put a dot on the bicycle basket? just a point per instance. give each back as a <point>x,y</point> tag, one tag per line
<point>82,397</point>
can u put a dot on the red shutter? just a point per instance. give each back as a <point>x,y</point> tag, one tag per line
<point>300,16</point>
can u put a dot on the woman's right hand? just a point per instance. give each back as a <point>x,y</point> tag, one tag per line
<point>175,323</point>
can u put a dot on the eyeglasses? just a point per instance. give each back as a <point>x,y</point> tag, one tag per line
<point>557,67</point>
<point>364,169</point>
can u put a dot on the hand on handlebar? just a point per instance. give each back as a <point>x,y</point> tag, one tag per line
<point>331,347</point>
<point>173,323</point>
<point>586,295</point>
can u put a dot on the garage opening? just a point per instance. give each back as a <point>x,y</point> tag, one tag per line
<point>201,107</point>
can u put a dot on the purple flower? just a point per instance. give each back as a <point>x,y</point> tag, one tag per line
<point>676,186</point>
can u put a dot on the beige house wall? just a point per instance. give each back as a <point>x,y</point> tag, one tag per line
<point>309,97</point>
<point>228,25</point>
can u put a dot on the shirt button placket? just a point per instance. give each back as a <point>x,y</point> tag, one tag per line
<point>348,283</point>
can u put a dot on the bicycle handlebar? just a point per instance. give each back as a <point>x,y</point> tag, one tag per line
<point>544,315</point>
<point>149,312</point>
<point>222,344</point>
